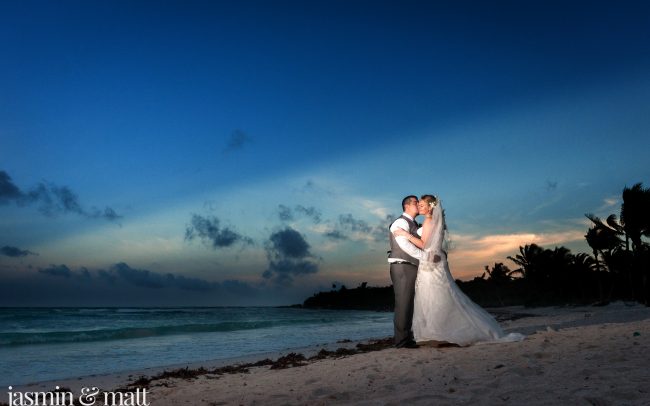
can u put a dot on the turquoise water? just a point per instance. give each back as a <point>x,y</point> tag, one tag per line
<point>38,344</point>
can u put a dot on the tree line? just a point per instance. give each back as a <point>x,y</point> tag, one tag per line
<point>618,267</point>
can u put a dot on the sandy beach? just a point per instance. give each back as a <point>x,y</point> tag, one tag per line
<point>578,356</point>
<point>571,356</point>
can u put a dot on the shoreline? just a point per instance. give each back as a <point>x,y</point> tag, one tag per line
<point>114,380</point>
<point>576,355</point>
<point>515,318</point>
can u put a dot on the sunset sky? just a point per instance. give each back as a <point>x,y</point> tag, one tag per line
<point>252,152</point>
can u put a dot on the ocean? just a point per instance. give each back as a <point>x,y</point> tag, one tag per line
<point>42,344</point>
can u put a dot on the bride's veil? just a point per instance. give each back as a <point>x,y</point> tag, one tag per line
<point>435,235</point>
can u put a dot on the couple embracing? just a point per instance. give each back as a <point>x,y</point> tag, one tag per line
<point>429,306</point>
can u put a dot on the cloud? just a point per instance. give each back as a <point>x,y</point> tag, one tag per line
<point>289,255</point>
<point>471,253</point>
<point>309,185</point>
<point>107,276</point>
<point>15,252</point>
<point>107,213</point>
<point>238,288</point>
<point>285,213</point>
<point>209,230</point>
<point>143,278</point>
<point>335,235</point>
<point>349,227</point>
<point>289,243</point>
<point>51,199</point>
<point>57,270</point>
<point>350,223</point>
<point>237,140</point>
<point>313,213</point>
<point>139,277</point>
<point>8,190</point>
<point>312,188</point>
<point>490,246</point>
<point>85,273</point>
<point>153,280</point>
<point>609,203</point>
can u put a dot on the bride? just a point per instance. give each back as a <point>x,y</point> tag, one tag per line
<point>442,312</point>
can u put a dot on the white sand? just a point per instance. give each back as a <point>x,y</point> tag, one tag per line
<point>591,364</point>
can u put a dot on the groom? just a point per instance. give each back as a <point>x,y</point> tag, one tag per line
<point>404,259</point>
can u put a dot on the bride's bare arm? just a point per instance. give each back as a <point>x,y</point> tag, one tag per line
<point>412,239</point>
<point>426,228</point>
<point>426,233</point>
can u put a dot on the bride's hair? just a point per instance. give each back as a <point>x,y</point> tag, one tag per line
<point>434,199</point>
<point>429,198</point>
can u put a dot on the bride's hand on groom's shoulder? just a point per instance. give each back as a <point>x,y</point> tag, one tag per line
<point>401,233</point>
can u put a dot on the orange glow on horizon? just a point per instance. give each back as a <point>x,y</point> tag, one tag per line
<point>470,254</point>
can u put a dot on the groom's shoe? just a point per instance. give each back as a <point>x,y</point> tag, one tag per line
<point>407,344</point>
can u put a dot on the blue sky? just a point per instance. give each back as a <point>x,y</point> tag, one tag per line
<point>209,153</point>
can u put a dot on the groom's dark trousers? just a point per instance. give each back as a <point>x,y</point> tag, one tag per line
<point>403,276</point>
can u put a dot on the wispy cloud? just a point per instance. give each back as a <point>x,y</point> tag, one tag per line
<point>493,245</point>
<point>311,212</point>
<point>353,228</point>
<point>51,199</point>
<point>471,252</point>
<point>286,213</point>
<point>15,252</point>
<point>210,231</point>
<point>316,188</point>
<point>335,235</point>
<point>609,203</point>
<point>376,208</point>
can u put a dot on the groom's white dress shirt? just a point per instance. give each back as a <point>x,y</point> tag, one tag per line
<point>403,242</point>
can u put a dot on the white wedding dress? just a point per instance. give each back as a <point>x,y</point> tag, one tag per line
<point>442,312</point>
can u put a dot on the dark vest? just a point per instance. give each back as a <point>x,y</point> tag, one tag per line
<point>395,250</point>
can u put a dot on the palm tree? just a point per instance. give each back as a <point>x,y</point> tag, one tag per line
<point>635,218</point>
<point>528,260</point>
<point>499,274</point>
<point>584,263</point>
<point>561,265</point>
<point>601,237</point>
<point>603,240</point>
<point>635,214</point>
<point>583,270</point>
